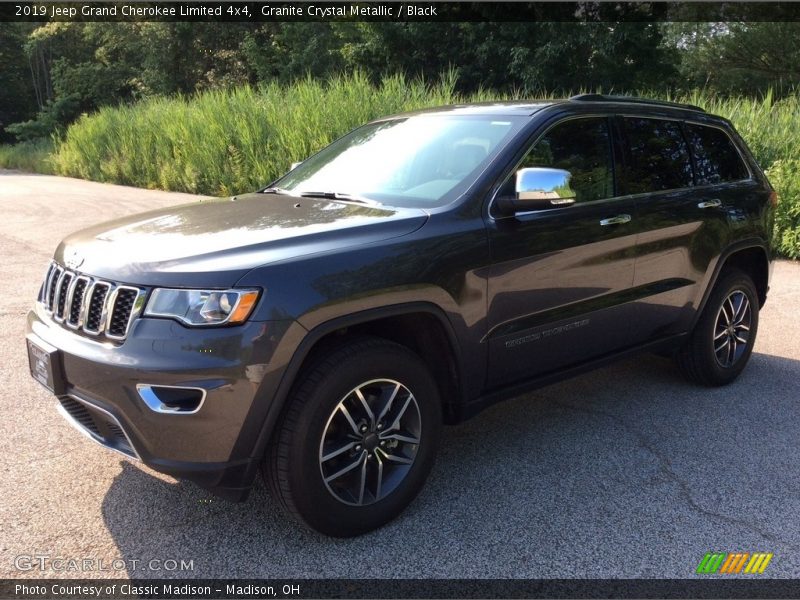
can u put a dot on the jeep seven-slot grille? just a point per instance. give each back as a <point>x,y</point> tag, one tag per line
<point>122,311</point>
<point>96,304</point>
<point>77,301</point>
<point>89,305</point>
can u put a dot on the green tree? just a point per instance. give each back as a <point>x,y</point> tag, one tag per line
<point>739,57</point>
<point>17,97</point>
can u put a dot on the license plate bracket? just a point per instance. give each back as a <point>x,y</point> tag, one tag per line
<point>44,362</point>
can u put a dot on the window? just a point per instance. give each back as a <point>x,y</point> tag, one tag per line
<point>423,160</point>
<point>715,157</point>
<point>582,147</point>
<point>657,157</point>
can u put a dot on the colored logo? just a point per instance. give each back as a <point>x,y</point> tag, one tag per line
<point>723,563</point>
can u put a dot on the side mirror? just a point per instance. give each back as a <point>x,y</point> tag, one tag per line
<point>538,188</point>
<point>295,165</point>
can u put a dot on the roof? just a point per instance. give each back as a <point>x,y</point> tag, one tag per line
<point>632,100</point>
<point>508,109</point>
<point>522,108</point>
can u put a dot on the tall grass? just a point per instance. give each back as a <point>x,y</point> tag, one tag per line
<point>231,141</point>
<point>226,142</point>
<point>28,156</point>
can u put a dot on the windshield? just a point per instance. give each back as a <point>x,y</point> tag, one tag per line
<point>423,161</point>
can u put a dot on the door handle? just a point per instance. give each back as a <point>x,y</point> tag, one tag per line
<point>618,220</point>
<point>710,204</point>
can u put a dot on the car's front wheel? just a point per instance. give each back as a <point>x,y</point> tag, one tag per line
<point>358,438</point>
<point>719,347</point>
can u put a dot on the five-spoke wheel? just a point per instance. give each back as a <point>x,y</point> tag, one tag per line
<point>722,340</point>
<point>732,330</point>
<point>370,442</point>
<point>358,437</point>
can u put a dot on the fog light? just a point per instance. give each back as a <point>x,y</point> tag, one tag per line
<point>172,399</point>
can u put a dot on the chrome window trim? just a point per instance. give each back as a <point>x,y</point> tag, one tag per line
<point>750,176</point>
<point>496,191</point>
<point>530,147</point>
<point>701,123</point>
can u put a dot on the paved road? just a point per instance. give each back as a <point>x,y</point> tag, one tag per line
<point>624,472</point>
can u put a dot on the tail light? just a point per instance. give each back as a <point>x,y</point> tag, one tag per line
<point>773,198</point>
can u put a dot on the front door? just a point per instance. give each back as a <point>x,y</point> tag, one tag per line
<point>561,277</point>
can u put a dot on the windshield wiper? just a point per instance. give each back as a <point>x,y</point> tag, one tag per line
<point>340,196</point>
<point>276,190</point>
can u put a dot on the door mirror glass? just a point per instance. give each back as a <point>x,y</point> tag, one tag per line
<point>539,188</point>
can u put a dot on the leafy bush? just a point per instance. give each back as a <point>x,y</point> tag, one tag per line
<point>785,178</point>
<point>28,156</point>
<point>227,142</point>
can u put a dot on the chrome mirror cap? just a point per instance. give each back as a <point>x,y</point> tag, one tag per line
<point>544,184</point>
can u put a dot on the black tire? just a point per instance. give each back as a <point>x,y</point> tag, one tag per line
<point>699,360</point>
<point>295,461</point>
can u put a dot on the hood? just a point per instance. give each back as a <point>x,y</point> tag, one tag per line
<point>214,242</point>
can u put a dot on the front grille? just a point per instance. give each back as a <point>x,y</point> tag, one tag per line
<point>121,314</point>
<point>61,294</point>
<point>96,305</point>
<point>100,425</point>
<point>77,301</point>
<point>90,305</point>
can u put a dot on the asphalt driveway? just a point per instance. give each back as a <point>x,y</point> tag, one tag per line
<point>623,472</point>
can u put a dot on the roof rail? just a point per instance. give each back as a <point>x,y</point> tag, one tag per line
<point>632,100</point>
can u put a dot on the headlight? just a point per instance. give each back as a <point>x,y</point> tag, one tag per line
<point>202,307</point>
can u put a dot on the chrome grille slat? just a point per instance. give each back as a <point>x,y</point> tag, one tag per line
<point>92,306</point>
<point>51,289</point>
<point>124,309</point>
<point>95,308</point>
<point>62,288</point>
<point>77,294</point>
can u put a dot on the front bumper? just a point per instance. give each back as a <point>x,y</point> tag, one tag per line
<point>233,368</point>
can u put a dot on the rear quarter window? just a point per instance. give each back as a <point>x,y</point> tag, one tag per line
<point>657,156</point>
<point>715,156</point>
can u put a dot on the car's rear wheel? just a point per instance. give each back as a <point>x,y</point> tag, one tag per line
<point>719,347</point>
<point>358,438</point>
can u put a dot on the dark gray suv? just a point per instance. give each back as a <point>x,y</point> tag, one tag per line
<point>413,272</point>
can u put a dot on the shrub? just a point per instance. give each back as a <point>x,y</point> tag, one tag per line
<point>224,142</point>
<point>28,156</point>
<point>785,178</point>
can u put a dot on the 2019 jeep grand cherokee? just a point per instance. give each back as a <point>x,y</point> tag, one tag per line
<point>409,274</point>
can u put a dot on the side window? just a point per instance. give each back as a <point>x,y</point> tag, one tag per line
<point>657,156</point>
<point>715,157</point>
<point>582,147</point>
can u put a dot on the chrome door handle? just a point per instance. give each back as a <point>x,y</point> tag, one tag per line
<point>618,220</point>
<point>710,204</point>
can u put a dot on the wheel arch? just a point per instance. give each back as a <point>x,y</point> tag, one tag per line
<point>750,256</point>
<point>391,323</point>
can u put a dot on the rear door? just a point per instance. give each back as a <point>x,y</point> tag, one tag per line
<point>560,277</point>
<point>681,177</point>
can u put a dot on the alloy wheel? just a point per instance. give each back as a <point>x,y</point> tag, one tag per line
<point>370,442</point>
<point>732,328</point>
